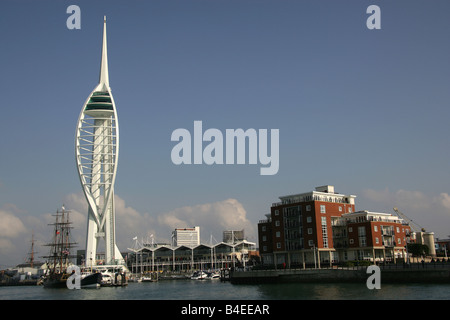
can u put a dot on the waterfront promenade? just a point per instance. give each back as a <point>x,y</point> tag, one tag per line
<point>434,272</point>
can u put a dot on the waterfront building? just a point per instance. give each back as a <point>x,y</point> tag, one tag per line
<point>165,257</point>
<point>184,255</point>
<point>97,150</point>
<point>443,247</point>
<point>232,236</point>
<point>189,237</point>
<point>375,236</point>
<point>322,226</point>
<point>425,238</point>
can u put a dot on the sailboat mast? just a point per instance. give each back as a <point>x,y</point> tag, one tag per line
<point>65,250</point>
<point>60,232</point>
<point>61,243</point>
<point>32,251</point>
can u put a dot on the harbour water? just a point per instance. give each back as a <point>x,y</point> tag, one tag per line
<point>195,290</point>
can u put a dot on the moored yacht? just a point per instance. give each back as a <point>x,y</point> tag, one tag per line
<point>198,275</point>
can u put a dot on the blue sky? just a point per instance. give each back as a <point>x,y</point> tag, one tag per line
<point>363,110</point>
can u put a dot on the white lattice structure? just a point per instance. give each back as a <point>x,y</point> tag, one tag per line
<point>97,151</point>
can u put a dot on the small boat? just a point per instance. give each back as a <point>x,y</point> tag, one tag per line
<point>112,275</point>
<point>92,280</point>
<point>148,279</point>
<point>107,280</point>
<point>198,275</point>
<point>213,276</point>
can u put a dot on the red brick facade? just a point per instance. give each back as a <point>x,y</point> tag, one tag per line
<point>326,222</point>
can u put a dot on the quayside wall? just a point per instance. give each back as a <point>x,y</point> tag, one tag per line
<point>358,275</point>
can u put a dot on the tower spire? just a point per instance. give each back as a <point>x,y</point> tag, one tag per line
<point>104,76</point>
<point>97,151</point>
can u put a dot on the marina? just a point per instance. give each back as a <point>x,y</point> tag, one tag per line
<point>218,290</point>
<point>393,274</point>
<point>314,244</point>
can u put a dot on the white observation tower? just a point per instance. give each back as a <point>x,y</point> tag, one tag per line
<point>97,150</point>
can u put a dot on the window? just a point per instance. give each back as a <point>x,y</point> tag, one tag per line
<point>361,231</point>
<point>264,248</point>
<point>277,212</point>
<point>340,209</point>
<point>310,243</point>
<point>398,230</point>
<point>350,229</point>
<point>277,223</point>
<point>322,208</point>
<point>264,238</point>
<point>277,234</point>
<point>351,241</point>
<point>278,245</point>
<point>309,219</point>
<point>309,230</point>
<point>324,232</point>
<point>308,208</point>
<point>399,241</point>
<point>263,228</point>
<point>362,241</point>
<point>375,228</point>
<point>292,228</point>
<point>377,241</point>
<point>362,236</point>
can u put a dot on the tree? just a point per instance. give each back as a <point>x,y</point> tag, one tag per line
<point>417,249</point>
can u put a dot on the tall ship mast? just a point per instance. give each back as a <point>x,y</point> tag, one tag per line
<point>60,256</point>
<point>30,260</point>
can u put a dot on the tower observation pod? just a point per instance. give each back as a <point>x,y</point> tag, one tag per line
<point>97,151</point>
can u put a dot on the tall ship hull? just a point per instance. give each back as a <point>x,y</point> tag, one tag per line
<point>60,280</point>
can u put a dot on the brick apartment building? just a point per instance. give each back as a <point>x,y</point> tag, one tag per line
<point>322,227</point>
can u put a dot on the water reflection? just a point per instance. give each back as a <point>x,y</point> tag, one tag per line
<point>207,290</point>
<point>352,291</point>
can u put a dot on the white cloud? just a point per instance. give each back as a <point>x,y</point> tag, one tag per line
<point>11,226</point>
<point>413,200</point>
<point>429,211</point>
<point>213,218</point>
<point>6,247</point>
<point>444,200</point>
<point>12,231</point>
